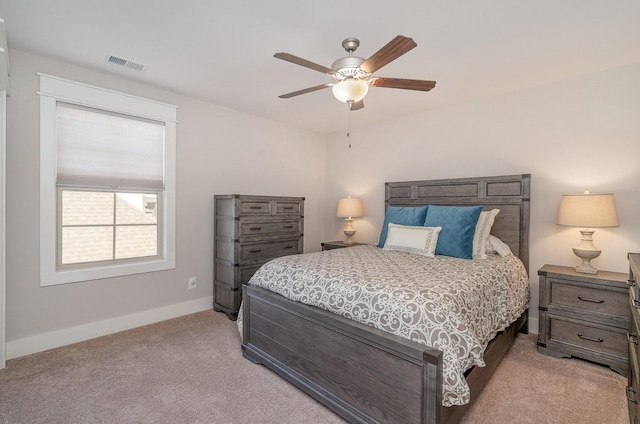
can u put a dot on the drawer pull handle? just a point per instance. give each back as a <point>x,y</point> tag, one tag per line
<point>630,393</point>
<point>592,339</point>
<point>632,338</point>
<point>288,226</point>
<point>255,250</point>
<point>631,283</point>
<point>586,299</point>
<point>288,208</point>
<point>255,207</point>
<point>255,228</point>
<point>287,247</point>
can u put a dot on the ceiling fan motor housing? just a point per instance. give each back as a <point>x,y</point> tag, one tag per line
<point>349,67</point>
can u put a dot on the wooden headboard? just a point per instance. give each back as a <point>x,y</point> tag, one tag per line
<point>509,193</point>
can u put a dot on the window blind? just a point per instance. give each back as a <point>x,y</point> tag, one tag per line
<point>97,148</point>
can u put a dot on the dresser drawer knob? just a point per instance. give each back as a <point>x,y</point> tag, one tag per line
<point>287,227</point>
<point>255,228</point>
<point>630,395</point>
<point>592,339</point>
<point>287,247</point>
<point>288,208</point>
<point>631,283</point>
<point>632,338</point>
<point>255,250</point>
<point>255,207</point>
<point>586,299</point>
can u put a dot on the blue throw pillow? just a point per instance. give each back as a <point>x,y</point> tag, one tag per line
<point>458,228</point>
<point>402,215</point>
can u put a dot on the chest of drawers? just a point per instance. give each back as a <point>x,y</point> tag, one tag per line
<point>249,231</point>
<point>584,315</point>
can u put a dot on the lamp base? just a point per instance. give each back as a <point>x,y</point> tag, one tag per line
<point>586,251</point>
<point>349,231</point>
<point>349,234</point>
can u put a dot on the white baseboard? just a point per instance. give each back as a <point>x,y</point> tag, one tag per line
<point>70,335</point>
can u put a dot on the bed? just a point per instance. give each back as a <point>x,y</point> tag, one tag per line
<point>363,373</point>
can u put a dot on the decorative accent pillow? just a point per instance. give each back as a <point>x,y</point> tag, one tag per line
<point>483,229</point>
<point>458,228</point>
<point>418,240</point>
<point>497,246</point>
<point>402,215</point>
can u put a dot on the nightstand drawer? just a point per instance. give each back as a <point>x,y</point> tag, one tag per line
<point>587,337</point>
<point>567,295</point>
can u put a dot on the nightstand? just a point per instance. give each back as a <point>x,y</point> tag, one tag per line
<point>633,389</point>
<point>330,245</point>
<point>584,315</point>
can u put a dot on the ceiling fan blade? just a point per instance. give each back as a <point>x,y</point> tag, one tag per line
<point>406,84</point>
<point>303,62</point>
<point>393,50</point>
<point>304,91</point>
<point>356,105</point>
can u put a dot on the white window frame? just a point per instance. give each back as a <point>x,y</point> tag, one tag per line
<point>54,89</point>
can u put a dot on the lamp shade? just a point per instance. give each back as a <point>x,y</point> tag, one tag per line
<point>588,211</point>
<point>350,90</point>
<point>349,207</point>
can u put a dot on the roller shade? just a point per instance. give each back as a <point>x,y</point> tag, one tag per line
<point>96,148</point>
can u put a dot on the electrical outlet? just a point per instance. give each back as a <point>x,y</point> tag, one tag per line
<point>193,282</point>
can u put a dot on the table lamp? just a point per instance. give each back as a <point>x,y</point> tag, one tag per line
<point>349,208</point>
<point>587,211</point>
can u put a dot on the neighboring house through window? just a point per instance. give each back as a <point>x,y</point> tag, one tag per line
<point>107,185</point>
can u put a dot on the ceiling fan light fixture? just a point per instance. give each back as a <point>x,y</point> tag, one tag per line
<point>350,90</point>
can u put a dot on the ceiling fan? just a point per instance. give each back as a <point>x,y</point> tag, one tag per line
<point>352,75</point>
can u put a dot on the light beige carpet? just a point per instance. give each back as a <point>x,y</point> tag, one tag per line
<point>191,370</point>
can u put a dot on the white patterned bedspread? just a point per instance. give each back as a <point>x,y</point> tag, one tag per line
<point>454,305</point>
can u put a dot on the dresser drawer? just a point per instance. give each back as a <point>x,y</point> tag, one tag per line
<point>284,207</point>
<point>567,295</point>
<point>268,250</point>
<point>287,227</point>
<point>226,299</point>
<point>254,207</point>
<point>234,276</point>
<point>583,336</point>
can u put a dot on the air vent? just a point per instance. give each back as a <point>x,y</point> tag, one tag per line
<point>126,63</point>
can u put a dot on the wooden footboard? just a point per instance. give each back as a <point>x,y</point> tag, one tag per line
<point>363,374</point>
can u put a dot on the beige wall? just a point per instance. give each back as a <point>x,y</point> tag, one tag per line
<point>570,135</point>
<point>218,151</point>
<point>577,134</point>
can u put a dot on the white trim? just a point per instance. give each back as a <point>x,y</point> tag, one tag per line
<point>123,103</point>
<point>5,68</point>
<point>3,237</point>
<point>79,333</point>
<point>103,98</point>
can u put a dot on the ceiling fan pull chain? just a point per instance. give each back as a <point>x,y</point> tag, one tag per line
<point>349,128</point>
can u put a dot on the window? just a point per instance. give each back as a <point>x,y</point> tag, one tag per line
<point>107,186</point>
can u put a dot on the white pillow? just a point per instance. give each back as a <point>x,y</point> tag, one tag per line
<point>495,245</point>
<point>483,229</point>
<point>418,240</point>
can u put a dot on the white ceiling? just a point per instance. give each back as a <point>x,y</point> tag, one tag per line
<point>222,51</point>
